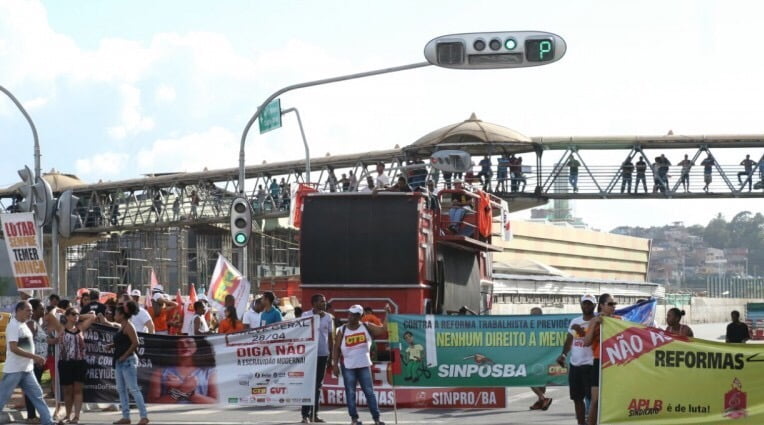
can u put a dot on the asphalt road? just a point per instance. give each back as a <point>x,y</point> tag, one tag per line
<point>517,412</point>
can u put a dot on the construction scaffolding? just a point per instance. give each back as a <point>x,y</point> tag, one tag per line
<point>177,256</point>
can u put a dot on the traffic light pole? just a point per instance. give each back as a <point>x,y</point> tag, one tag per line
<point>242,177</point>
<point>37,171</point>
<point>304,141</point>
<point>54,269</point>
<point>37,166</point>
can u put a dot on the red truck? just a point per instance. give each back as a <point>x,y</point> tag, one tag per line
<point>414,251</point>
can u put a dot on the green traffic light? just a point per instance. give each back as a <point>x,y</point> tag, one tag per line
<point>510,44</point>
<point>240,238</point>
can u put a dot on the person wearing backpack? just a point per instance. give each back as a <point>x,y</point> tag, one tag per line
<point>355,338</point>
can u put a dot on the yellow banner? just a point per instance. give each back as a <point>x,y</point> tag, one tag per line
<point>650,376</point>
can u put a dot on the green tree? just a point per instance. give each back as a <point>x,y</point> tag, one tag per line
<point>717,234</point>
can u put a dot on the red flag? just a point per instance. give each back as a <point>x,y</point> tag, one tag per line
<point>154,281</point>
<point>298,198</point>
<point>149,292</point>
<point>191,298</point>
<point>176,315</point>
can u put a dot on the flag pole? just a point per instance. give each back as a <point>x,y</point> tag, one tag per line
<point>392,381</point>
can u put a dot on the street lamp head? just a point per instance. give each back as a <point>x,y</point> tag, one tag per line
<point>492,50</point>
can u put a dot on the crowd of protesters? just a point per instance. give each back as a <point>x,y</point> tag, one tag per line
<point>39,332</point>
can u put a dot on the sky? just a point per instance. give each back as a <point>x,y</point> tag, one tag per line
<point>121,89</point>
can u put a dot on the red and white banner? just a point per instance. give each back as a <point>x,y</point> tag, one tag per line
<point>333,394</point>
<point>24,251</point>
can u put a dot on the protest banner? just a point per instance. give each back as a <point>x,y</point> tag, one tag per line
<point>27,264</point>
<point>478,351</point>
<point>273,365</point>
<point>650,376</point>
<point>333,393</point>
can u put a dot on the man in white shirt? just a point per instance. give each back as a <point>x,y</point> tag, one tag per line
<point>382,181</point>
<point>142,321</point>
<point>581,357</point>
<point>251,318</point>
<point>19,363</point>
<point>325,343</point>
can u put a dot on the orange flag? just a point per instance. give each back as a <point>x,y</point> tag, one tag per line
<point>176,316</point>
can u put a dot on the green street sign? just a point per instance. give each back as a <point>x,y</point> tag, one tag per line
<point>270,119</point>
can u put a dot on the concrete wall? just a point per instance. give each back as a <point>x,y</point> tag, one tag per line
<point>701,309</point>
<point>577,252</point>
<point>707,310</point>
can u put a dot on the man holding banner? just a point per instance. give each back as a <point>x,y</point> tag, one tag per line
<point>325,346</point>
<point>581,358</point>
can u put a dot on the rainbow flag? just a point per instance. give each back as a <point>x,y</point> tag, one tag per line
<point>226,279</point>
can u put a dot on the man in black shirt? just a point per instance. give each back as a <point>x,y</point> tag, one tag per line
<point>626,169</point>
<point>737,331</point>
<point>94,305</point>
<point>641,169</point>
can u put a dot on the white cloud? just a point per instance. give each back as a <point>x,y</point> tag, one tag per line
<point>164,94</point>
<point>214,148</point>
<point>37,102</point>
<point>133,121</point>
<point>102,164</point>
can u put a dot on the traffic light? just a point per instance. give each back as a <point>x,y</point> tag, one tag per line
<point>27,181</point>
<point>43,202</point>
<point>241,222</point>
<point>66,213</point>
<point>490,50</point>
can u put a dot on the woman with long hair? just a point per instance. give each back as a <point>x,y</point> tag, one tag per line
<point>126,362</point>
<point>606,308</point>
<point>186,374</point>
<point>673,317</point>
<point>72,367</point>
<point>231,323</point>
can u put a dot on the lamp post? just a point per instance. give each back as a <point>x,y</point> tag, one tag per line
<point>37,175</point>
<point>484,50</point>
<point>37,171</point>
<point>304,141</point>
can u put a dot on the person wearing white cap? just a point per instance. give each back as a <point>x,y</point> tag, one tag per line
<point>581,357</point>
<point>354,347</point>
<point>142,320</point>
<point>160,303</point>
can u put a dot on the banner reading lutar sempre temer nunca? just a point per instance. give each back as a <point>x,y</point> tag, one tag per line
<point>478,351</point>
<point>650,376</point>
<point>272,365</point>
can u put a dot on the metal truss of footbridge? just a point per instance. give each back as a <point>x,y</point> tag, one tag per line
<point>201,198</point>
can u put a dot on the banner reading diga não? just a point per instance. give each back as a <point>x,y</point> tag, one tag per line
<point>478,351</point>
<point>274,365</point>
<point>652,377</point>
